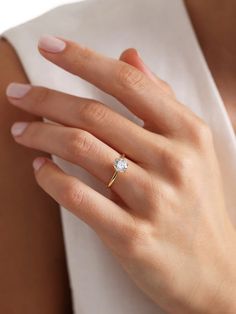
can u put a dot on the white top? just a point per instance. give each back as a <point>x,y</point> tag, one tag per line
<point>163,34</point>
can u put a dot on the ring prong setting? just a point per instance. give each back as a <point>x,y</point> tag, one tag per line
<point>120,164</point>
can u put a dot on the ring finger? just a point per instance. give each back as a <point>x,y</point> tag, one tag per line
<point>81,147</point>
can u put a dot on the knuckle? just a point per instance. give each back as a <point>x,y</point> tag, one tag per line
<point>93,111</point>
<point>80,57</point>
<point>202,133</point>
<point>40,96</point>
<point>32,133</point>
<point>80,143</point>
<point>183,164</point>
<point>168,89</point>
<point>72,195</point>
<point>139,237</point>
<point>130,77</point>
<point>180,165</point>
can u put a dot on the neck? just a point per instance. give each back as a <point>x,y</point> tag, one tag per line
<point>215,26</point>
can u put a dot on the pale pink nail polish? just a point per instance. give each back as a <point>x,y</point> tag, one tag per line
<point>38,162</point>
<point>51,44</point>
<point>18,128</point>
<point>17,90</point>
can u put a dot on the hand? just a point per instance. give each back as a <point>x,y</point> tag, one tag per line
<point>167,223</point>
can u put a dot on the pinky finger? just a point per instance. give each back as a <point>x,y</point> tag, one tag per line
<point>101,213</point>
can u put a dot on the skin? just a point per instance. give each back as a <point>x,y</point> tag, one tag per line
<point>41,299</point>
<point>143,229</point>
<point>33,268</point>
<point>29,210</point>
<point>214,23</point>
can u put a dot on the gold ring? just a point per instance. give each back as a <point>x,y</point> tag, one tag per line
<point>120,165</point>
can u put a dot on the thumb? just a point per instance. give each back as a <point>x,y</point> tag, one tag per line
<point>132,57</point>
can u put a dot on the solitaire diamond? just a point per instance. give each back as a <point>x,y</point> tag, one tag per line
<point>120,164</point>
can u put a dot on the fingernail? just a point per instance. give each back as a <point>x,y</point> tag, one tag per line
<point>38,162</point>
<point>18,128</point>
<point>146,69</point>
<point>138,53</point>
<point>51,44</point>
<point>17,90</point>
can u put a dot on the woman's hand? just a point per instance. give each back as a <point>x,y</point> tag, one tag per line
<point>167,224</point>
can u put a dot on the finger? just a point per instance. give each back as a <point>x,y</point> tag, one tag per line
<point>132,57</point>
<point>121,80</point>
<point>109,126</point>
<point>103,215</point>
<point>82,148</point>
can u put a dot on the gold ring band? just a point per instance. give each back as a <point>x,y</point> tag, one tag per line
<point>120,165</point>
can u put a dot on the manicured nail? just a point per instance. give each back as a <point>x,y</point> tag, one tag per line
<point>18,128</point>
<point>38,162</point>
<point>51,44</point>
<point>17,90</point>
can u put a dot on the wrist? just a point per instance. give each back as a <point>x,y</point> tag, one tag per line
<point>222,298</point>
<point>223,301</point>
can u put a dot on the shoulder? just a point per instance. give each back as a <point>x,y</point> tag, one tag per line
<point>9,61</point>
<point>11,69</point>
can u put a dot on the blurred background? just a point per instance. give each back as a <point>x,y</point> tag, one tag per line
<point>14,12</point>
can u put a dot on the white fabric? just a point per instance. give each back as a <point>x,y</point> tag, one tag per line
<point>162,32</point>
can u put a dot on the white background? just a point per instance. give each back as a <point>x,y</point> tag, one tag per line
<point>14,12</point>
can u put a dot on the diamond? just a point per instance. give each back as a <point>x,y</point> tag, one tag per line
<point>120,164</point>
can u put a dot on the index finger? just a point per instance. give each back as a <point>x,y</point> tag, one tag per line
<point>119,79</point>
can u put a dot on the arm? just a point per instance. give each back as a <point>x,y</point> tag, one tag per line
<point>33,269</point>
